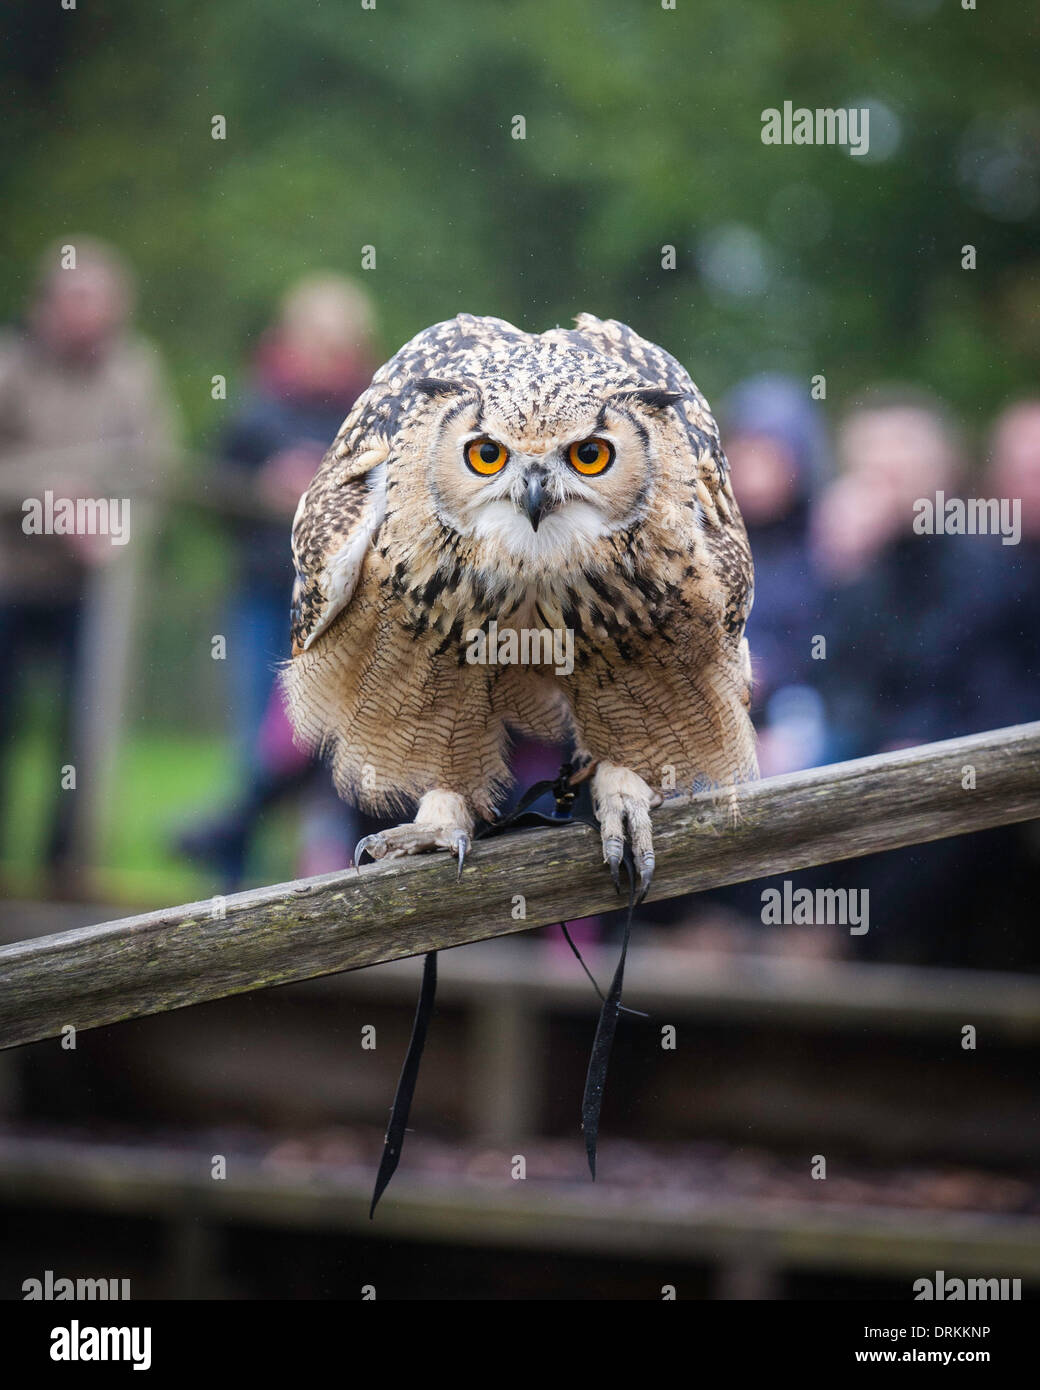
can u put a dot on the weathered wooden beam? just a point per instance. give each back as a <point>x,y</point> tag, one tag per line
<point>296,931</point>
<point>149,1181</point>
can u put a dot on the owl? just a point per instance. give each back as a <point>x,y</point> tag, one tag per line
<point>527,534</point>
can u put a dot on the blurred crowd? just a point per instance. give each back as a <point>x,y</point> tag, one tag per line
<point>877,625</point>
<point>871,629</point>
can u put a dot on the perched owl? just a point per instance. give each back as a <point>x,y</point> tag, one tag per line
<point>496,499</point>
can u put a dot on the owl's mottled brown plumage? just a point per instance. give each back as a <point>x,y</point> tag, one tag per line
<point>402,551</point>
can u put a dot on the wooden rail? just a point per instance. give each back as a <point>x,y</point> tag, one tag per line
<point>296,931</point>
<point>176,1186</point>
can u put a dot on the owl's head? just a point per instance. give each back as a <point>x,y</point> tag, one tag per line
<point>541,464</point>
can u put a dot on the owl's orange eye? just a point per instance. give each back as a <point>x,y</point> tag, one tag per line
<point>486,456</point>
<point>591,456</point>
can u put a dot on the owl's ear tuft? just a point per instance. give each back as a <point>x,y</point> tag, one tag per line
<point>653,396</point>
<point>439,386</point>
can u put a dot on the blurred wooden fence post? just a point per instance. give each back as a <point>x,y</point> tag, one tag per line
<point>105,658</point>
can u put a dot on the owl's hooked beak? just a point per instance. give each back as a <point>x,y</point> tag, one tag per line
<point>535,501</point>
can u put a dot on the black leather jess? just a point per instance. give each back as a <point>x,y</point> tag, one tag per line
<point>595,1080</point>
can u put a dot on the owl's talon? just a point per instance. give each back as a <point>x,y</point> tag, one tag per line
<point>644,876</point>
<point>443,822</point>
<point>622,801</point>
<point>612,853</point>
<point>373,845</point>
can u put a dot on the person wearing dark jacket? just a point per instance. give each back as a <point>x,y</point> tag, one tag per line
<point>914,640</point>
<point>777,448</point>
<point>1005,657</point>
<point>309,369</point>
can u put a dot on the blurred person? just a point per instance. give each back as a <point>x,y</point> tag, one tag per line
<point>895,446</point>
<point>777,448</point>
<point>1001,866</point>
<point>309,368</point>
<point>776,444</point>
<point>1005,655</point>
<point>84,415</point>
<point>901,603</point>
<point>907,606</point>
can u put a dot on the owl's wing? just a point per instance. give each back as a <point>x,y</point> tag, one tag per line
<point>338,517</point>
<point>334,526</point>
<point>340,513</point>
<point>723,530</point>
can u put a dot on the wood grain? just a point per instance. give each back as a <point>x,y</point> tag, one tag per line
<point>344,921</point>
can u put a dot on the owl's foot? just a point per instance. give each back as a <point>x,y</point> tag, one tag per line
<point>443,821</point>
<point>621,799</point>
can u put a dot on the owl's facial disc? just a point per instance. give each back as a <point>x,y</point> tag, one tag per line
<point>547,486</point>
<point>588,457</point>
<point>545,493</point>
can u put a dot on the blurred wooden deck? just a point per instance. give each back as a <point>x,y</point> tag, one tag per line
<point>805,1055</point>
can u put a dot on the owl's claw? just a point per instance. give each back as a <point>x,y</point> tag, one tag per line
<point>461,845</point>
<point>644,874</point>
<point>644,869</point>
<point>622,801</point>
<point>373,845</point>
<point>443,822</point>
<point>613,849</point>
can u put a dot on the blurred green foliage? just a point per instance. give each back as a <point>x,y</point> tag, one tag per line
<point>392,127</point>
<point>165,779</point>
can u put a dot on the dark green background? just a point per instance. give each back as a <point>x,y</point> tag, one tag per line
<point>392,128</point>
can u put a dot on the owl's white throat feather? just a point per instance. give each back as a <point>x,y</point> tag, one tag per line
<point>565,537</point>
